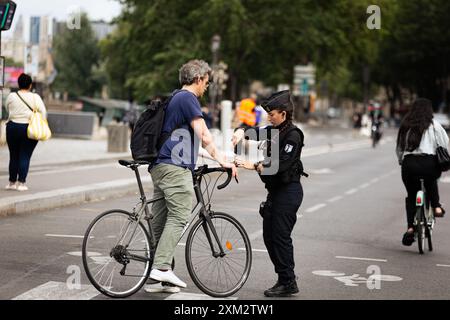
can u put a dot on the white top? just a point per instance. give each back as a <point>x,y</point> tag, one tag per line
<point>433,137</point>
<point>18,111</point>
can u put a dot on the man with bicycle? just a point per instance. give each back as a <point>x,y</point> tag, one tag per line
<point>172,171</point>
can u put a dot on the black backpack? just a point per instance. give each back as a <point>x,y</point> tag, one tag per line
<point>147,138</point>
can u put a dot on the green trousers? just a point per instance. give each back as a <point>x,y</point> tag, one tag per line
<point>171,214</point>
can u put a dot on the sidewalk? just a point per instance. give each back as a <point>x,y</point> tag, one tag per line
<point>65,172</point>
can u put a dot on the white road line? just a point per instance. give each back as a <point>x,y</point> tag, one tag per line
<point>53,290</point>
<point>374,180</point>
<point>195,296</point>
<point>90,210</point>
<point>351,191</point>
<point>241,249</point>
<point>364,185</point>
<point>337,198</point>
<point>316,207</point>
<point>365,259</point>
<point>64,236</point>
<point>254,250</point>
<point>443,265</point>
<point>259,250</point>
<point>70,169</point>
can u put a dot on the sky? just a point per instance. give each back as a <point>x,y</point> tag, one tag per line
<point>60,9</point>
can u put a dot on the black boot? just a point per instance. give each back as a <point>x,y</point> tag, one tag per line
<point>282,290</point>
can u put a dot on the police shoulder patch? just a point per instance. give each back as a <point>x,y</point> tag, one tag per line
<point>288,148</point>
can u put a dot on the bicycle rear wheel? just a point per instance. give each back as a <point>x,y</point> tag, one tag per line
<point>219,276</point>
<point>116,254</point>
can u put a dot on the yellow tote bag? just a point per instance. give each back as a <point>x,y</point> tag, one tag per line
<point>38,128</point>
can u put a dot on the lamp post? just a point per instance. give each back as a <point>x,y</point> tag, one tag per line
<point>215,45</point>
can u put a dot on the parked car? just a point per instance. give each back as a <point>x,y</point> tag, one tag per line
<point>443,119</point>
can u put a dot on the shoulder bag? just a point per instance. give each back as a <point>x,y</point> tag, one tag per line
<point>442,155</point>
<point>38,128</point>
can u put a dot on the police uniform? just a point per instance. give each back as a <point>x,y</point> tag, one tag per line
<point>285,194</point>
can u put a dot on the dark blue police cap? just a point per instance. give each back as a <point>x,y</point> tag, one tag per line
<point>279,100</point>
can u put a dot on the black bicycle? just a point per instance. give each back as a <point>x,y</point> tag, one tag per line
<point>424,219</point>
<point>118,248</point>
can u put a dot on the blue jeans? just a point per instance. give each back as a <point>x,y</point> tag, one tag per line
<point>20,150</point>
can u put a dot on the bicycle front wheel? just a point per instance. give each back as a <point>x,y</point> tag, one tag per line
<point>421,230</point>
<point>116,254</point>
<point>214,274</point>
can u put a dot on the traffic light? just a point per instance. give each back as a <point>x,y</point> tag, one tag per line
<point>7,11</point>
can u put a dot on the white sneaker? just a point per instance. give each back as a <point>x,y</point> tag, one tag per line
<point>22,187</point>
<point>158,288</point>
<point>167,276</point>
<point>11,186</point>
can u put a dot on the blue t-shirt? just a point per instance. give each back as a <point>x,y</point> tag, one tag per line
<point>181,148</point>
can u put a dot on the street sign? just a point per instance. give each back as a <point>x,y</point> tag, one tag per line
<point>304,79</point>
<point>7,11</point>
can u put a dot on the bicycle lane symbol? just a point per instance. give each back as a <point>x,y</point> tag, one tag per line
<point>354,280</point>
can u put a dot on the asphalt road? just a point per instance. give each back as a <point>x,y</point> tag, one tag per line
<point>347,238</point>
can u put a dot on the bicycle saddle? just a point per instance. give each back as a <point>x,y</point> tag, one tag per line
<point>127,163</point>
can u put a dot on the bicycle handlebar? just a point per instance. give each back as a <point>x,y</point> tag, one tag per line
<point>205,170</point>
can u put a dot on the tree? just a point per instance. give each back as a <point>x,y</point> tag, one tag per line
<point>264,40</point>
<point>76,55</point>
<point>415,53</point>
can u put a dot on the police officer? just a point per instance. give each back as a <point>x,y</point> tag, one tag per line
<point>280,171</point>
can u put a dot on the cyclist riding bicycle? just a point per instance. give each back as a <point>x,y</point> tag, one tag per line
<point>418,137</point>
<point>376,117</point>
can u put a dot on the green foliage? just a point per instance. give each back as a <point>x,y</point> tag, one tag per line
<point>77,55</point>
<point>415,52</point>
<point>264,39</point>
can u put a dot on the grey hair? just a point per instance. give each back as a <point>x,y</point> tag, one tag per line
<point>192,70</point>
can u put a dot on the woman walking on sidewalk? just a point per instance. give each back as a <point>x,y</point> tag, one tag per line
<point>21,148</point>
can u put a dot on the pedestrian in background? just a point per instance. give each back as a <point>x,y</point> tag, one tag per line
<point>19,106</point>
<point>285,192</point>
<point>418,138</point>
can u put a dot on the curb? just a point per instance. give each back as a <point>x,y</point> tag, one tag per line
<point>69,196</point>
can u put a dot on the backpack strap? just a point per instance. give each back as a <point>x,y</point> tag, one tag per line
<point>165,136</point>
<point>24,102</point>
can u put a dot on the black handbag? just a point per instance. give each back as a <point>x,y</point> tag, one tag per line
<point>442,155</point>
<point>443,158</point>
